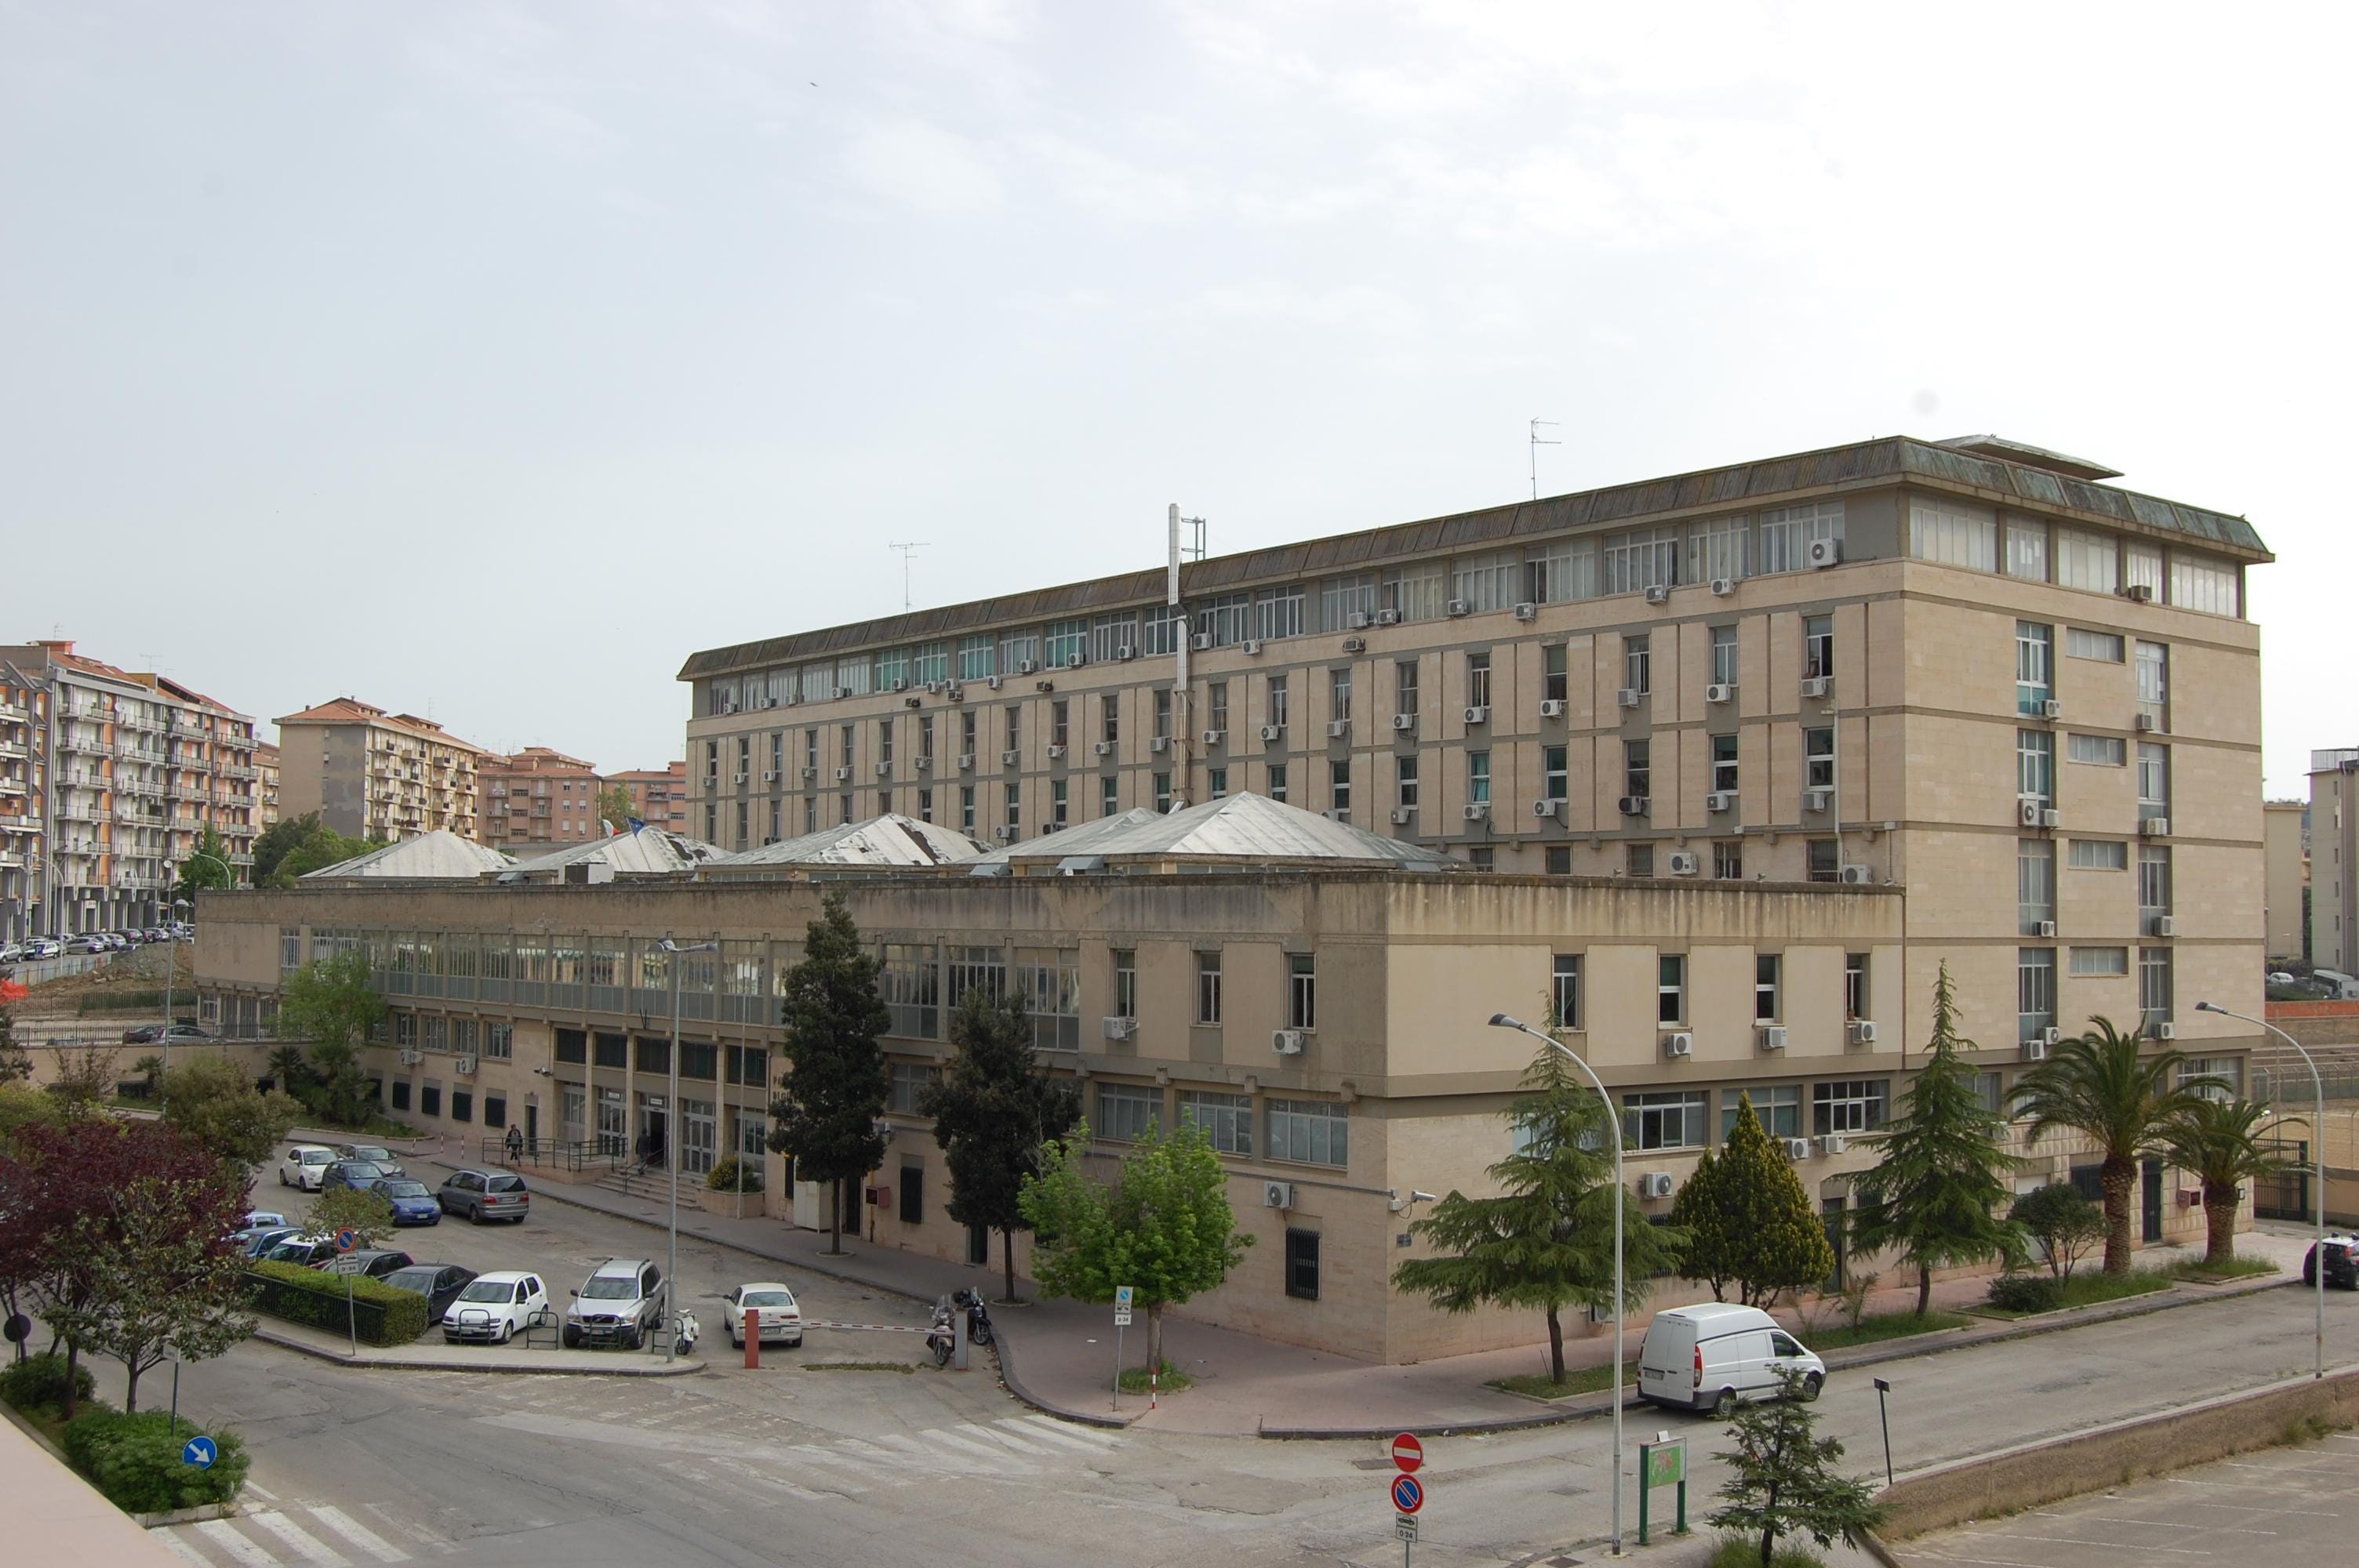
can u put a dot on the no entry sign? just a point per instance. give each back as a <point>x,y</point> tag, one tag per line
<point>1407,1452</point>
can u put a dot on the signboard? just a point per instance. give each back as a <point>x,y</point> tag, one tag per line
<point>1121,1317</point>
<point>1666,1463</point>
<point>1408,1494</point>
<point>200,1452</point>
<point>346,1264</point>
<point>1404,1526</point>
<point>1121,1299</point>
<point>347,1239</point>
<point>1407,1452</point>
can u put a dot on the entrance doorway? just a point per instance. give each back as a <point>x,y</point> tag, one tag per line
<point>978,1244</point>
<point>654,1130</point>
<point>2150,1201</point>
<point>531,1126</point>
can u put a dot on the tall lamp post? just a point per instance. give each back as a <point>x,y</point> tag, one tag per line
<point>676,951</point>
<point>2318,1176</point>
<point>171,962</point>
<point>1501,1021</point>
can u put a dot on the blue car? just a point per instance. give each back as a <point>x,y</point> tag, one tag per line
<point>412,1204</point>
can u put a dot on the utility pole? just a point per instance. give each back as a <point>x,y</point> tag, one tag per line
<point>1535,443</point>
<point>908,549</point>
<point>1181,732</point>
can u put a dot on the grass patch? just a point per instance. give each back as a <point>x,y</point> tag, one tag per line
<point>1577,1380</point>
<point>902,1367</point>
<point>1134,1379</point>
<point>2093,1287</point>
<point>2233,1269</point>
<point>1743,1551</point>
<point>1881,1326</point>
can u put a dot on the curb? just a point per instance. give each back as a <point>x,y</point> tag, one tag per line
<point>679,1369</point>
<point>1014,1385</point>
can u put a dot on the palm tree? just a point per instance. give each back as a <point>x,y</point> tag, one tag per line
<point>2099,1084</point>
<point>2219,1141</point>
<point>287,1067</point>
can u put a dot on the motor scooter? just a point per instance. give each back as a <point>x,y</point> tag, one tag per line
<point>978,1317</point>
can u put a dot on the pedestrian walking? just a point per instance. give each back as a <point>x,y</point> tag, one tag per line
<point>516,1143</point>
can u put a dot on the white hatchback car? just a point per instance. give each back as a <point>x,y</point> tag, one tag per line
<point>494,1308</point>
<point>306,1166</point>
<point>781,1319</point>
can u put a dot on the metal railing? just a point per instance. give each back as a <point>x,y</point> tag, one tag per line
<point>571,1155</point>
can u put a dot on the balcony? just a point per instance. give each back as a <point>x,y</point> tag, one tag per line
<point>12,786</point>
<point>70,741</point>
<point>12,748</point>
<point>12,714</point>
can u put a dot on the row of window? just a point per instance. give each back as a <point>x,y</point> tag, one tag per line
<point>2036,683</point>
<point>2034,984</point>
<point>2035,879</point>
<point>1565,995</point>
<point>440,1032</point>
<point>1305,1132</point>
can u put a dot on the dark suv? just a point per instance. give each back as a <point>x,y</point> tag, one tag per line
<point>621,1303</point>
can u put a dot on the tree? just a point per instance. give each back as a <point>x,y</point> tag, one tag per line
<point>331,1002</point>
<point>85,1077</point>
<point>1546,1242</point>
<point>1164,1229</point>
<point>992,1112</point>
<point>161,1282</point>
<point>2219,1141</point>
<point>2065,1224</point>
<point>2099,1084</point>
<point>1748,1220</point>
<point>212,1101</point>
<point>1935,1194</point>
<point>208,867</point>
<point>615,807</point>
<point>1781,1479</point>
<point>287,1068</point>
<point>276,841</point>
<point>364,1211</point>
<point>320,846</point>
<point>16,1067</point>
<point>836,1082</point>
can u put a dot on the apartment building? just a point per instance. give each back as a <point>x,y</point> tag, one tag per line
<point>1971,669</point>
<point>538,799</point>
<point>658,795</point>
<point>141,767</point>
<point>373,774</point>
<point>23,803</point>
<point>2333,853</point>
<point>2285,833</point>
<point>265,802</point>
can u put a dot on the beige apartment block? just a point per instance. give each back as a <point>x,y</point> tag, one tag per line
<point>538,799</point>
<point>24,801</point>
<point>2333,859</point>
<point>266,804</point>
<point>379,775</point>
<point>2284,853</point>
<point>658,795</point>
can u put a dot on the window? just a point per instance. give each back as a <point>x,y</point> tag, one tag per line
<point>1818,758</point>
<point>1114,637</point>
<point>1485,582</point>
<point>2142,566</point>
<point>1277,613</point>
<point>1561,572</point>
<point>1311,1131</point>
<point>1208,987</point>
<point>2091,962</point>
<point>2102,646</point>
<point>978,657</point>
<point>1225,619</point>
<point>2087,558</point>
<point>1413,593</point>
<point>1642,558</point>
<point>1405,686</point>
<point>2034,991</point>
<point>1163,791</point>
<point>2104,750</point>
<point>1126,983</point>
<point>1555,859</point>
<point>1716,550</point>
<point>1276,789</point>
<point>1564,990</point>
<point>1478,778</point>
<point>1953,533</point>
<point>932,664</point>
<point>1728,858</point>
<point>1166,623</point>
<point>499,1041</point>
<point>1014,713</point>
<point>1227,1120</point>
<point>1019,652</point>
<point>1482,858</point>
<point>1848,1105</point>
<point>1478,680</point>
<point>1338,787</point>
<point>1338,696</point>
<point>1822,860</point>
<point>1015,819</point>
<point>2153,780</point>
<point>1637,768</point>
<point>1552,772</point>
<point>1058,816</point>
<point>966,809</point>
<point>2026,549</point>
<point>2203,582</point>
<point>891,667</point>
<point>2154,883</point>
<point>1723,763</point>
<point>1108,789</point>
<point>1277,701</point>
<point>967,725</point>
<point>1343,598</point>
<point>290,949</point>
<point>1818,646</point>
<point>1786,534</point>
<point>463,1104</point>
<point>1665,1119</point>
<point>2100,855</point>
<point>2154,683</point>
<point>1553,680</point>
<point>1638,859</point>
<point>1216,706</point>
<point>884,742</point>
<point>2035,884</point>
<point>1126,1111</point>
<point>2227,1070</point>
<point>1779,1106</point>
<point>910,985</point>
<point>2034,678</point>
<point>1301,991</point>
<point>1303,1263</point>
<point>1405,772</point>
<point>1216,783</point>
<point>1855,994</point>
<point>430,1099</point>
<point>2035,765</point>
<point>1670,988</point>
<point>1110,717</point>
<point>1767,969</point>
<point>400,1094</point>
<point>1723,656</point>
<point>1163,713</point>
<point>2153,986</point>
<point>1638,663</point>
<point>911,1082</point>
<point>1060,714</point>
<point>973,968</point>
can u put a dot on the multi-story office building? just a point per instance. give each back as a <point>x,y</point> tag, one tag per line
<point>1969,669</point>
<point>373,774</point>
<point>23,803</point>
<point>265,803</point>
<point>2283,835</point>
<point>658,795</point>
<point>2334,856</point>
<point>538,799</point>
<point>141,767</point>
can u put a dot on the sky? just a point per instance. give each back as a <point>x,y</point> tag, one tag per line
<point>485,361</point>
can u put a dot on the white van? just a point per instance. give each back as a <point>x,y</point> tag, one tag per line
<point>1710,1356</point>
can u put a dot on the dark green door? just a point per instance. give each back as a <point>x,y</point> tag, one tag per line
<point>2150,1201</point>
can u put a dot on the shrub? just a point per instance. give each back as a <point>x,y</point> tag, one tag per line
<point>723,1178</point>
<point>135,1461</point>
<point>38,1382</point>
<point>2026,1293</point>
<point>381,1314</point>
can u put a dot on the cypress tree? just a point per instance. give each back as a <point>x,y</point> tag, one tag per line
<point>993,1112</point>
<point>1767,1238</point>
<point>836,1082</point>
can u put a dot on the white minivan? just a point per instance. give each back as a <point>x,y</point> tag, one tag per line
<point>1710,1356</point>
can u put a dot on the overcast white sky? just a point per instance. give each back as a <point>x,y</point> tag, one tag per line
<point>490,358</point>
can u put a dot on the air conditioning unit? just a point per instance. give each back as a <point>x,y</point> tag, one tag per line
<point>1628,695</point>
<point>1546,808</point>
<point>1026,666</point>
<point>1356,645</point>
<point>2155,827</point>
<point>924,763</point>
<point>1724,586</point>
<point>1009,759</point>
<point>884,770</point>
<point>1404,721</point>
<point>2144,722</point>
<point>1720,691</point>
<point>899,686</point>
<point>842,692</point>
<point>1213,737</point>
<point>1861,1032</point>
<point>2034,1051</point>
<point>1124,652</point>
<point>1816,800</point>
<point>411,1058</point>
<point>738,778</point>
<point>1357,620</point>
<point>1634,805</point>
<point>1478,714</point>
<point>465,1066</point>
<point>1253,645</point>
<point>769,776</point>
<point>1654,1183</point>
<point>2142,592</point>
<point>1336,814</point>
<point>1831,1143</point>
<point>2166,925</point>
<point>933,688</point>
<point>1526,611</point>
<point>1679,1045</point>
<point>1719,800</point>
<point>1338,728</point>
<point>1773,1037</point>
<point>992,681</point>
<point>2046,928</point>
<point>844,773</point>
<point>1006,832</point>
<point>1797,1148</point>
<point>1685,863</point>
<point>2051,818</point>
<point>1104,747</point>
<point>1825,552</point>
<point>1658,594</point>
<point>2165,1031</point>
<point>1551,707</point>
<point>1158,743</point>
<point>2051,709</point>
<point>2026,813</point>
<point>1818,685</point>
<point>1458,607</point>
<point>1055,751</point>
<point>966,762</point>
<point>1388,617</point>
<point>1403,815</point>
<point>810,772</point>
<point>1122,1029</point>
<point>1278,1195</point>
<point>1477,812</point>
<point>2052,1035</point>
<point>1272,731</point>
<point>1287,1042</point>
<point>1857,876</point>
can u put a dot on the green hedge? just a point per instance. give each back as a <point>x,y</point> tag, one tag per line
<point>2026,1293</point>
<point>136,1460</point>
<point>38,1382</point>
<point>381,1314</point>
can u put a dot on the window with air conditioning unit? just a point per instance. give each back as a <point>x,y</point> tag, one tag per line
<point>1477,813</point>
<point>1357,620</point>
<point>1633,804</point>
<point>1458,607</point>
<point>1338,728</point>
<point>844,774</point>
<point>1272,731</point>
<point>1478,715</point>
<point>1724,586</point>
<point>1816,800</point>
<point>1159,744</point>
<point>1825,552</point>
<point>1403,815</point>
<point>1773,1036</point>
<point>1278,1195</point>
<point>1526,611</point>
<point>1819,686</point>
<point>1682,1043</point>
<point>2027,812</point>
<point>1552,707</point>
<point>1287,1042</point>
<point>1658,594</point>
<point>1546,808</point>
<point>1388,617</point>
<point>1720,691</point>
<point>1214,737</point>
<point>1860,1032</point>
<point>1253,645</point>
<point>1121,1028</point>
<point>1655,1184</point>
<point>2035,1050</point>
<point>1832,1142</point>
<point>1684,863</point>
<point>1797,1148</point>
<point>1858,876</point>
<point>1404,721</point>
<point>1719,800</point>
<point>2155,827</point>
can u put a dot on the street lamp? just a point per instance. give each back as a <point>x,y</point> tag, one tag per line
<point>2318,1174</point>
<point>171,962</point>
<point>672,1139</point>
<point>1501,1021</point>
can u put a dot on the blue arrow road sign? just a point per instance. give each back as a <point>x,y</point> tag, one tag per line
<point>1408,1494</point>
<point>200,1452</point>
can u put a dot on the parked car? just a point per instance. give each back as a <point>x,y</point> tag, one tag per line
<point>2342,1263</point>
<point>781,1319</point>
<point>491,1308</point>
<point>439,1283</point>
<point>1710,1355</point>
<point>412,1204</point>
<point>372,1262</point>
<point>255,1216</point>
<point>307,1252</point>
<point>360,1174</point>
<point>306,1166</point>
<point>621,1303</point>
<point>89,945</point>
<point>40,949</point>
<point>376,1154</point>
<point>258,1240</point>
<point>149,1033</point>
<point>11,953</point>
<point>486,1194</point>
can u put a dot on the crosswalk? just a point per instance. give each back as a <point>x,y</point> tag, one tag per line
<point>275,1532</point>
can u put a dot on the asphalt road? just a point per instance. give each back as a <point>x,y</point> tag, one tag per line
<point>792,1466</point>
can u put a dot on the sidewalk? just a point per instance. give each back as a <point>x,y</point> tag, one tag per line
<point>443,1357</point>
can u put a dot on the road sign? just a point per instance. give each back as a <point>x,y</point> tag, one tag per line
<point>200,1452</point>
<point>1404,1527</point>
<point>347,1263</point>
<point>1666,1463</point>
<point>347,1239</point>
<point>1407,1452</point>
<point>1122,1297</point>
<point>1121,1317</point>
<point>1408,1494</point>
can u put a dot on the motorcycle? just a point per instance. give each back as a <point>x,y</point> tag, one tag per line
<point>940,1337</point>
<point>978,1316</point>
<point>690,1329</point>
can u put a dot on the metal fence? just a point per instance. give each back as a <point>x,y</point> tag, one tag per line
<point>2290,1087</point>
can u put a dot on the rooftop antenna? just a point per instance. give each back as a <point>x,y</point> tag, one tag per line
<point>906,549</point>
<point>1535,443</point>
